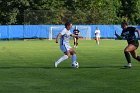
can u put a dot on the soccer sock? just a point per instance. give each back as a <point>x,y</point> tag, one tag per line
<point>73,58</point>
<point>138,58</point>
<point>62,59</point>
<point>76,44</point>
<point>98,42</point>
<point>127,56</point>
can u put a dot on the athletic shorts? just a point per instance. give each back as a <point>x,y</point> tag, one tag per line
<point>97,36</point>
<point>65,47</point>
<point>135,44</point>
<point>76,37</point>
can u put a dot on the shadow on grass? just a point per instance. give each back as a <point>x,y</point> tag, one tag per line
<point>51,67</point>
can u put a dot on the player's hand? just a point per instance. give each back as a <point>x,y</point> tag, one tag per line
<point>56,41</point>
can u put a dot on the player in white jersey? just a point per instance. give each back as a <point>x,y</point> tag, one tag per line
<point>64,44</point>
<point>97,35</point>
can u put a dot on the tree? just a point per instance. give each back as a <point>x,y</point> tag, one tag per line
<point>130,10</point>
<point>77,11</point>
<point>12,11</point>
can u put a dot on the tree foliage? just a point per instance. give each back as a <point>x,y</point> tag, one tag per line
<point>77,11</point>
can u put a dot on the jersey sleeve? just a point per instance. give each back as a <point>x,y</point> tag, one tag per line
<point>95,31</point>
<point>63,32</point>
<point>132,29</point>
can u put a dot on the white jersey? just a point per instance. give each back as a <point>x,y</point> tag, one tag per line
<point>65,36</point>
<point>97,32</point>
<point>64,40</point>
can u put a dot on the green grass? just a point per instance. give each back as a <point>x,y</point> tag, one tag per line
<point>28,67</point>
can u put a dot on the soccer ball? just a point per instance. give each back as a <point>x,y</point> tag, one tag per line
<point>75,65</point>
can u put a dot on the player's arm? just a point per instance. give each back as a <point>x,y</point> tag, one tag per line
<point>96,33</point>
<point>119,37</point>
<point>78,32</point>
<point>73,35</point>
<point>57,38</point>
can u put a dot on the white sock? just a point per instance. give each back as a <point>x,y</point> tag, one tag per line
<point>62,59</point>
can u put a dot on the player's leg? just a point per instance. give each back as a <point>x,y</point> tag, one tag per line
<point>134,55</point>
<point>73,53</point>
<point>127,51</point>
<point>97,40</point>
<point>66,56</point>
<point>74,42</point>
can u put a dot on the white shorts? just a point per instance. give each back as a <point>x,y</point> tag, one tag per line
<point>65,47</point>
<point>97,36</point>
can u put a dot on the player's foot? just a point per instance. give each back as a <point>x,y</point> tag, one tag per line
<point>55,65</point>
<point>128,65</point>
<point>76,46</point>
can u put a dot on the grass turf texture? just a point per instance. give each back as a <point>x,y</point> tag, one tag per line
<point>28,67</point>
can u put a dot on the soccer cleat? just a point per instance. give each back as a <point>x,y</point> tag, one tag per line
<point>128,65</point>
<point>55,65</point>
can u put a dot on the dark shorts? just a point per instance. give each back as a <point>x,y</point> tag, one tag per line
<point>76,37</point>
<point>135,44</point>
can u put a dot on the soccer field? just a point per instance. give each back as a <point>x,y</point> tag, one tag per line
<point>28,67</point>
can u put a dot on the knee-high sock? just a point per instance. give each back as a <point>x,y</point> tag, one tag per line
<point>127,56</point>
<point>73,58</point>
<point>74,43</point>
<point>62,59</point>
<point>98,42</point>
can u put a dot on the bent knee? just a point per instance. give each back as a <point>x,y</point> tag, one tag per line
<point>72,53</point>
